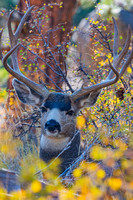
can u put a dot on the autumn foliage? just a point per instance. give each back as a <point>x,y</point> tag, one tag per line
<point>105,170</point>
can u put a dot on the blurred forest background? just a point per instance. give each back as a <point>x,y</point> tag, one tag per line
<point>64,45</point>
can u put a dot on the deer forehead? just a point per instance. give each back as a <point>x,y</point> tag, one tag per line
<point>58,101</point>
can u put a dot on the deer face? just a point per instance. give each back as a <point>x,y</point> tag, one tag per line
<point>58,110</point>
<point>58,116</point>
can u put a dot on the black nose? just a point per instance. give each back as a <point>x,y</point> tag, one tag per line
<point>52,125</point>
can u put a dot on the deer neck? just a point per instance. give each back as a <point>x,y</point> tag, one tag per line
<point>53,144</point>
<point>68,151</point>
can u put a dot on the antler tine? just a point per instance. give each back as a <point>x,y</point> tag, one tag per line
<point>14,37</point>
<point>117,60</point>
<point>13,42</point>
<point>11,35</point>
<point>128,61</point>
<point>1,31</point>
<point>20,26</point>
<point>125,48</point>
<point>86,90</point>
<point>115,45</point>
<point>37,87</point>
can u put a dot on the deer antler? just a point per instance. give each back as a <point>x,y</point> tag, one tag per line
<point>1,31</point>
<point>116,62</point>
<point>13,52</point>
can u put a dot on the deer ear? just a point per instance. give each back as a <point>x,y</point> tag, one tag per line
<point>88,100</point>
<point>26,94</point>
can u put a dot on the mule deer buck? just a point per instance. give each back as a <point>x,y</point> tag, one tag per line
<point>59,110</point>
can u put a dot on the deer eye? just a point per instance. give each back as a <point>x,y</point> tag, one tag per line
<point>70,112</point>
<point>43,109</point>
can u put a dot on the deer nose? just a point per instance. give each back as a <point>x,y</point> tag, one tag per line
<point>52,125</point>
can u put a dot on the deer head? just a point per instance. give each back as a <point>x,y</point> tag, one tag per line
<point>59,110</point>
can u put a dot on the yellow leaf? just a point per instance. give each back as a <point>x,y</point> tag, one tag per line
<point>80,122</point>
<point>129,70</point>
<point>36,186</point>
<point>97,153</point>
<point>101,63</point>
<point>42,198</point>
<point>68,195</point>
<point>105,28</point>
<point>4,149</point>
<point>92,167</point>
<point>101,173</point>
<point>77,173</point>
<point>20,194</point>
<point>115,183</point>
<point>119,143</point>
<point>11,99</point>
<point>95,191</point>
<point>11,94</point>
<point>109,55</point>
